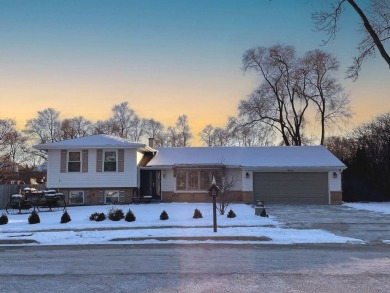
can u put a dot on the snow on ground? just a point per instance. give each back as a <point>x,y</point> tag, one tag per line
<point>148,227</point>
<point>380,207</point>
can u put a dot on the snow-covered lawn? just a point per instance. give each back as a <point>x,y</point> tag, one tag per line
<point>380,207</point>
<point>148,228</point>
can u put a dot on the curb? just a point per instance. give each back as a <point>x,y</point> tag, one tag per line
<point>200,238</point>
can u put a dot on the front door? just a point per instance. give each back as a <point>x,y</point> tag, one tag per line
<point>151,183</point>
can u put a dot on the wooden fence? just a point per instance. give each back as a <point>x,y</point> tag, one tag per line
<point>7,189</point>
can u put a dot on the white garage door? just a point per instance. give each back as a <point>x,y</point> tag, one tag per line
<point>291,187</point>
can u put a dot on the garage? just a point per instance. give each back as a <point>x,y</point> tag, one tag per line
<point>291,187</point>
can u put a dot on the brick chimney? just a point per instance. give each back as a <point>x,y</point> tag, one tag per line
<point>151,142</point>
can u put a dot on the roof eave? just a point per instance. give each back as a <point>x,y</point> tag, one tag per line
<point>294,168</point>
<point>74,147</point>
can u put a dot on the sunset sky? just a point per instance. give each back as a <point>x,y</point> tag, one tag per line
<point>164,57</point>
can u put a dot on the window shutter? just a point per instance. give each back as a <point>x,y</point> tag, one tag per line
<point>121,160</point>
<point>101,196</point>
<point>121,196</point>
<point>84,164</point>
<point>99,160</point>
<point>64,154</point>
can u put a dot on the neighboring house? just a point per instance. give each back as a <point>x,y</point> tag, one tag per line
<point>97,169</point>
<point>102,169</point>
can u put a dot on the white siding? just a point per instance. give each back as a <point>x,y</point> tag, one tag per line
<point>237,175</point>
<point>247,183</point>
<point>168,181</point>
<point>334,183</point>
<point>92,179</point>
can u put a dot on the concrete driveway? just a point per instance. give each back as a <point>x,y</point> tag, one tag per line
<point>371,227</point>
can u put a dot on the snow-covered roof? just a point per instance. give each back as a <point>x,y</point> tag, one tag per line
<point>271,157</point>
<point>94,142</point>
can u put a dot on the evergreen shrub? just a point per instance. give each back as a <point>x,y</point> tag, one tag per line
<point>65,218</point>
<point>164,216</point>
<point>115,214</point>
<point>129,216</point>
<point>3,219</point>
<point>34,218</point>
<point>98,217</point>
<point>197,214</point>
<point>231,214</point>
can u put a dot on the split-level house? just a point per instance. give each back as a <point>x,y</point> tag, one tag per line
<point>104,169</point>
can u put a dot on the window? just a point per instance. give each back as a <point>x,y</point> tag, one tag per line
<point>193,183</point>
<point>111,196</point>
<point>196,179</point>
<point>76,197</point>
<point>109,161</point>
<point>205,179</point>
<point>74,161</point>
<point>181,180</point>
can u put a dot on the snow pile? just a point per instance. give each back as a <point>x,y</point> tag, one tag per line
<point>379,207</point>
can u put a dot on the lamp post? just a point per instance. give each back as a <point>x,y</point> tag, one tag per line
<point>213,191</point>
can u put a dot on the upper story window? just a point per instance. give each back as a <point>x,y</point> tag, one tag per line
<point>74,161</point>
<point>109,161</point>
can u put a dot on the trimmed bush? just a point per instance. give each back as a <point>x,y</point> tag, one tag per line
<point>164,216</point>
<point>129,216</point>
<point>197,214</point>
<point>98,217</point>
<point>115,214</point>
<point>34,218</point>
<point>231,214</point>
<point>3,219</point>
<point>65,218</point>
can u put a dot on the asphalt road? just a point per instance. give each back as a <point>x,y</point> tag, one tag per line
<point>196,268</point>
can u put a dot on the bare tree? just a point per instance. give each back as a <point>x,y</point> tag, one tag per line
<point>236,133</point>
<point>207,135</point>
<point>123,117</point>
<point>276,102</point>
<point>375,28</point>
<point>332,105</point>
<point>290,86</point>
<point>12,148</point>
<point>153,128</point>
<point>172,137</point>
<point>105,127</point>
<point>343,148</point>
<point>75,127</point>
<point>224,199</point>
<point>45,127</point>
<point>16,146</point>
<point>137,129</point>
<point>6,126</point>
<point>243,134</point>
<point>183,131</point>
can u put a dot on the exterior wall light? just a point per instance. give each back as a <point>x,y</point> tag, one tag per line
<point>247,175</point>
<point>334,175</point>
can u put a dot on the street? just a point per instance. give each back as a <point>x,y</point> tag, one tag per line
<point>196,268</point>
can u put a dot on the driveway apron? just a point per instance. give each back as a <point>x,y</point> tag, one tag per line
<point>371,227</point>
